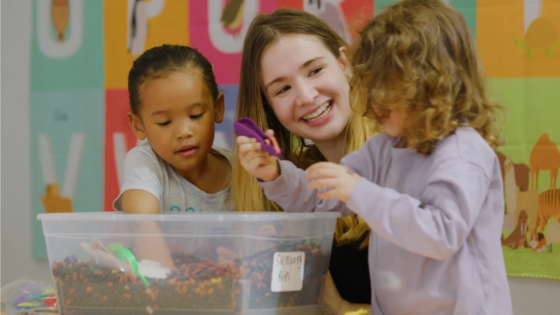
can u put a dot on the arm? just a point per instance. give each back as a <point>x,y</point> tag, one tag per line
<point>282,181</point>
<point>286,185</point>
<point>439,226</point>
<point>290,191</point>
<point>140,189</point>
<point>154,247</point>
<point>136,201</point>
<point>335,303</point>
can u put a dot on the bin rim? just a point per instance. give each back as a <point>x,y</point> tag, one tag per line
<point>230,216</point>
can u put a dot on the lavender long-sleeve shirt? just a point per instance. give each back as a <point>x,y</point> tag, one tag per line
<point>436,223</point>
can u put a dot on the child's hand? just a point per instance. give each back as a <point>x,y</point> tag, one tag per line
<point>339,179</point>
<point>257,162</point>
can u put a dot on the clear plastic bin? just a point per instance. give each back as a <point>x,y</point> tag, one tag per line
<point>222,263</point>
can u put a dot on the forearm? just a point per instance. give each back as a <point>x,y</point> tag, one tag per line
<point>290,191</point>
<point>150,244</point>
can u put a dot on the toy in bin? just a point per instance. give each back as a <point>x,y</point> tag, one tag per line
<point>32,298</point>
<point>248,128</point>
<point>99,270</point>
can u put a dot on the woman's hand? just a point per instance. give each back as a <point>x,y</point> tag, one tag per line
<point>338,179</point>
<point>257,162</point>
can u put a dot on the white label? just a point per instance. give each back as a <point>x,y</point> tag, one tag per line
<point>287,271</point>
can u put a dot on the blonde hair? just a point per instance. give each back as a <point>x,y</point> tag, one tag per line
<point>264,30</point>
<point>421,52</point>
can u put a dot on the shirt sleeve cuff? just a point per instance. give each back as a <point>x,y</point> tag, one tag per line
<point>275,187</point>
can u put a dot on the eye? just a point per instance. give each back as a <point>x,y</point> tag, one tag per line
<point>283,90</point>
<point>164,123</point>
<point>315,71</point>
<point>194,117</point>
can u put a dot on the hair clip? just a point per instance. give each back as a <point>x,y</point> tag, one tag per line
<point>248,128</point>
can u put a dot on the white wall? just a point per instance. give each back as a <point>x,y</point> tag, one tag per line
<point>16,175</point>
<point>530,296</point>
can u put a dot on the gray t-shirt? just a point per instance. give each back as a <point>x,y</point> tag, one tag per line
<point>144,170</point>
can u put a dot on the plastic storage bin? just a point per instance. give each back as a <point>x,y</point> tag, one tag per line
<point>222,263</point>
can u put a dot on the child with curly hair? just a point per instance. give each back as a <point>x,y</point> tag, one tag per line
<point>429,186</point>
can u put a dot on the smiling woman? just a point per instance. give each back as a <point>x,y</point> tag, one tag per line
<point>294,80</point>
<point>308,90</point>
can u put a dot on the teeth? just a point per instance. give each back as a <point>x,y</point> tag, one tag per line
<point>319,113</point>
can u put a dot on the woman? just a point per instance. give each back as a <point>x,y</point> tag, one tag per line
<point>294,80</point>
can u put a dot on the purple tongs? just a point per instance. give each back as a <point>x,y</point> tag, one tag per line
<point>248,128</point>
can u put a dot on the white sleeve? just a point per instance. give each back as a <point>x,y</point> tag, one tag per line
<point>142,172</point>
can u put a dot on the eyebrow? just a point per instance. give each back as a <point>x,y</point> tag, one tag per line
<point>303,66</point>
<point>159,112</point>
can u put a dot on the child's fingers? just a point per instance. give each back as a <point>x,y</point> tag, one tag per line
<point>323,183</point>
<point>249,147</point>
<point>269,133</point>
<point>329,194</point>
<point>226,253</point>
<point>323,172</point>
<point>244,149</point>
<point>322,165</point>
<point>243,140</point>
<point>251,151</point>
<point>253,165</point>
<point>270,158</point>
<point>254,154</point>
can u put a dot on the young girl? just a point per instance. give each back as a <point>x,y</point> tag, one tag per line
<point>174,103</point>
<point>429,186</point>
<point>307,63</point>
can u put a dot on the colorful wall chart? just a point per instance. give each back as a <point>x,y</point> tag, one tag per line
<point>519,42</point>
<point>66,109</point>
<point>81,53</point>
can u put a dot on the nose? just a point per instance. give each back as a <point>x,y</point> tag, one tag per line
<point>185,129</point>
<point>306,93</point>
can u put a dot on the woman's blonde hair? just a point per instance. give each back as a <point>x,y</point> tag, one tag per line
<point>264,30</point>
<point>421,52</point>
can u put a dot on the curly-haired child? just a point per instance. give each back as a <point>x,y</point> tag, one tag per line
<point>429,186</point>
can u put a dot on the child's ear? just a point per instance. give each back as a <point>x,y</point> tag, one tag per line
<point>219,108</point>
<point>345,63</point>
<point>137,126</point>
